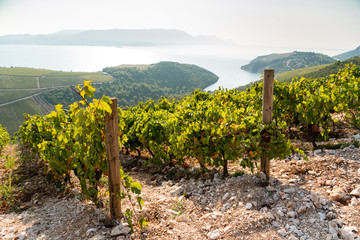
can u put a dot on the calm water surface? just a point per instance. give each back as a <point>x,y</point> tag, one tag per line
<point>224,61</point>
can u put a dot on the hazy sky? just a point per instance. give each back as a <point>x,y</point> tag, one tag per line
<point>288,23</point>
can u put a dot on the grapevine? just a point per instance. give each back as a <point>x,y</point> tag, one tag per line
<point>4,137</point>
<point>212,128</point>
<point>74,140</point>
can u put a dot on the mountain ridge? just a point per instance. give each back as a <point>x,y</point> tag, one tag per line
<point>111,37</point>
<point>348,54</point>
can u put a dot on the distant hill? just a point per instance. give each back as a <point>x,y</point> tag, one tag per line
<point>310,72</point>
<point>135,83</point>
<point>287,61</point>
<point>349,54</point>
<point>317,71</point>
<point>113,37</point>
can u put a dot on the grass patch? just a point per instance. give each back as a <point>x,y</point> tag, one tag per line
<point>14,116</point>
<point>20,71</point>
<point>10,82</point>
<point>73,80</point>
<point>7,166</point>
<point>96,78</point>
<point>178,207</point>
<point>71,74</point>
<point>287,76</point>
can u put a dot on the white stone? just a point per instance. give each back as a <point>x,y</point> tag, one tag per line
<point>291,214</point>
<point>270,188</point>
<point>275,224</point>
<point>333,227</point>
<point>226,196</point>
<point>356,192</point>
<point>264,209</point>
<point>282,232</point>
<point>329,237</point>
<point>322,216</point>
<point>176,192</point>
<point>225,207</point>
<point>214,234</point>
<point>302,210</point>
<point>354,202</point>
<point>317,151</point>
<point>332,152</point>
<point>293,180</point>
<point>314,197</point>
<point>120,230</point>
<point>293,238</point>
<point>22,236</point>
<point>98,237</point>
<point>357,136</point>
<point>262,176</point>
<point>270,216</point>
<point>172,211</point>
<point>295,221</point>
<point>272,180</point>
<point>293,229</point>
<point>280,213</point>
<point>347,233</point>
<point>249,205</point>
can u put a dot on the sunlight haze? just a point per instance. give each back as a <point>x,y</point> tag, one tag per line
<point>281,23</point>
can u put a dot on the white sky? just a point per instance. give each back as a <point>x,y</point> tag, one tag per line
<point>323,24</point>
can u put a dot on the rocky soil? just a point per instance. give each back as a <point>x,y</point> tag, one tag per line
<point>318,199</point>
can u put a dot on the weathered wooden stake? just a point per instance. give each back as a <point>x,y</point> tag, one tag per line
<point>268,90</point>
<point>113,161</point>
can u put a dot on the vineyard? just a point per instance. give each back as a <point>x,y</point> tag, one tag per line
<point>211,128</point>
<point>207,129</point>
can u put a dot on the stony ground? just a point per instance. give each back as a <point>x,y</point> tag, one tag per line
<point>318,199</point>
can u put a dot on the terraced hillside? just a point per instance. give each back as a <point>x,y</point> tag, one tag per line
<point>22,91</point>
<point>36,91</point>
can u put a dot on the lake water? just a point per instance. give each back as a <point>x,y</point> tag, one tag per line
<point>224,61</point>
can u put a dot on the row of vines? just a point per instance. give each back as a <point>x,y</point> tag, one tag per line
<point>74,140</point>
<point>211,128</point>
<point>227,125</point>
<point>4,137</point>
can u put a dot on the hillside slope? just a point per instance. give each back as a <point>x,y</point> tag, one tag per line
<point>287,61</point>
<point>317,71</point>
<point>22,91</point>
<point>133,84</point>
<point>130,84</point>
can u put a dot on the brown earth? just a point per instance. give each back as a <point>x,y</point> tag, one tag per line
<point>317,199</point>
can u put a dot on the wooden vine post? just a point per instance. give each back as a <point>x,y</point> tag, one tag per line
<point>268,90</point>
<point>113,161</point>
